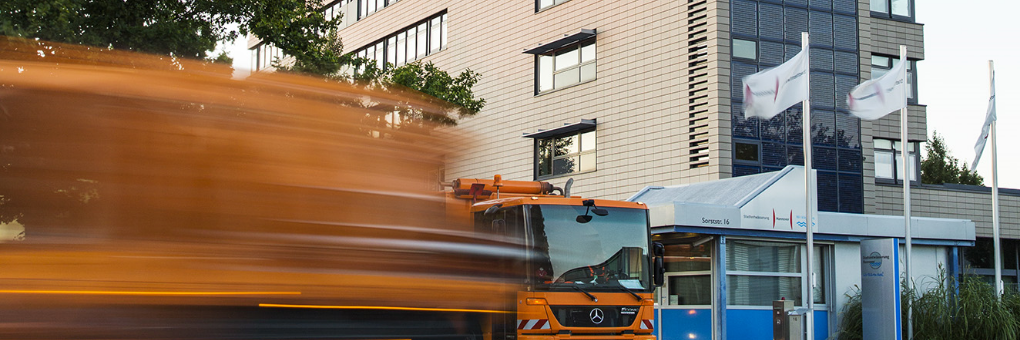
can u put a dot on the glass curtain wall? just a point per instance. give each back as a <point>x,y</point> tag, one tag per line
<point>766,33</point>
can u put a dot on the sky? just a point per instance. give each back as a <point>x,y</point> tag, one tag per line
<point>952,79</point>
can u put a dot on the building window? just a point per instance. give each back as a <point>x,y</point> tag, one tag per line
<point>746,49</point>
<point>882,64</point>
<point>543,4</point>
<point>760,272</point>
<point>689,273</point>
<point>565,154</point>
<point>893,9</point>
<point>264,55</point>
<point>746,152</point>
<point>887,160</point>
<point>566,67</point>
<point>415,42</point>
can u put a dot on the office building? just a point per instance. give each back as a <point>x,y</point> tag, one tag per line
<point>621,96</point>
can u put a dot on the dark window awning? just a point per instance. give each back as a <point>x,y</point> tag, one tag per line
<point>567,40</point>
<point>566,129</point>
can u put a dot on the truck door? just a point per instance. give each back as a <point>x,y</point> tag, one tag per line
<point>505,225</point>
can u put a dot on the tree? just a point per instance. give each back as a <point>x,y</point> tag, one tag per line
<point>177,28</point>
<point>939,166</point>
<point>191,28</point>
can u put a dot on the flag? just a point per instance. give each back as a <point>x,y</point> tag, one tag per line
<point>979,147</point>
<point>769,92</point>
<point>878,97</point>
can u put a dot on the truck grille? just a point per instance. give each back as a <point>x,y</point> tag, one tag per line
<point>595,316</point>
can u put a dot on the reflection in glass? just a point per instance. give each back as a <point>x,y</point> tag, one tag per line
<point>566,145</point>
<point>762,290</point>
<point>745,49</point>
<point>880,6</point>
<point>545,65</point>
<point>564,165</point>
<point>588,141</point>
<point>587,162</point>
<point>606,254</point>
<point>544,157</point>
<point>588,53</point>
<point>747,152</point>
<point>588,72</point>
<point>568,77</point>
<point>883,164</point>
<point>901,7</point>
<point>566,59</point>
<point>690,290</point>
<point>770,257</point>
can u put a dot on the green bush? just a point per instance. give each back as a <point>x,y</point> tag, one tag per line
<point>952,309</point>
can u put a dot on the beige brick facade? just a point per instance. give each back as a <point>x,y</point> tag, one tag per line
<point>661,95</point>
<point>647,132</point>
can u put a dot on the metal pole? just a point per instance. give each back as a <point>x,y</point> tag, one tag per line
<point>995,195</point>
<point>806,127</point>
<point>905,151</point>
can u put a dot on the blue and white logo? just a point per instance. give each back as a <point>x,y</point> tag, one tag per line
<point>874,260</point>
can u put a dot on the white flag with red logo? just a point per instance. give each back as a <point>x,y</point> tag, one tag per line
<point>878,97</point>
<point>979,147</point>
<point>769,92</point>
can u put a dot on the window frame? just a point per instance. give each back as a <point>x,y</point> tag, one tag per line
<point>888,13</point>
<point>407,40</point>
<point>733,49</point>
<point>580,64</point>
<point>757,145</point>
<point>822,258</point>
<point>552,3</point>
<point>894,149</point>
<point>552,156</point>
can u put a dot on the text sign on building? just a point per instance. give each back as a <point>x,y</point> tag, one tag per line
<point>780,207</point>
<point>880,289</point>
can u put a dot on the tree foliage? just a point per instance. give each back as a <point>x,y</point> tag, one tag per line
<point>939,166</point>
<point>191,28</point>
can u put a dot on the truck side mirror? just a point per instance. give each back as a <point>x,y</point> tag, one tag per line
<point>659,277</point>
<point>658,267</point>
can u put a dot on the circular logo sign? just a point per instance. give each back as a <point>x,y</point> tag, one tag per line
<point>876,260</point>
<point>596,316</point>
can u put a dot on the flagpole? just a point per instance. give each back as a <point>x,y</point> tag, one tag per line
<point>806,127</point>
<point>995,196</point>
<point>904,152</point>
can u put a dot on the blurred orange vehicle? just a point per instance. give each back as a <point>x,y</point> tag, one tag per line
<point>162,200</point>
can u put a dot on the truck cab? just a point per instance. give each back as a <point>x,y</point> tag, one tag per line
<point>588,267</point>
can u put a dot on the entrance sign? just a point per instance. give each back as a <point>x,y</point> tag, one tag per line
<point>880,289</point>
<point>779,207</point>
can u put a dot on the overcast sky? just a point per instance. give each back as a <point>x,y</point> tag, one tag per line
<point>952,80</point>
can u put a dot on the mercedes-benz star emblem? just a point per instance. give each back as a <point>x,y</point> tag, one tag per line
<point>596,316</point>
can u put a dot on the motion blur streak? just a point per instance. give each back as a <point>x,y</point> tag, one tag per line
<point>382,308</point>
<point>93,292</point>
<point>161,199</point>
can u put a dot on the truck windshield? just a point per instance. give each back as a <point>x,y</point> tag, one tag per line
<point>609,253</point>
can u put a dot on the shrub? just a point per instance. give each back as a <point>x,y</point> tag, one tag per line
<point>952,309</point>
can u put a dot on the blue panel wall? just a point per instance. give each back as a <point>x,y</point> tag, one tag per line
<point>750,324</point>
<point>686,324</point>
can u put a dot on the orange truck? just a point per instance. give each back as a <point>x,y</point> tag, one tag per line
<point>589,269</point>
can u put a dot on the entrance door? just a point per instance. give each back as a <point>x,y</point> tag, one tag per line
<point>686,298</point>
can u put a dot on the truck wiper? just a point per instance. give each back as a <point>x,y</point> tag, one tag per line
<point>624,288</point>
<point>593,298</point>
